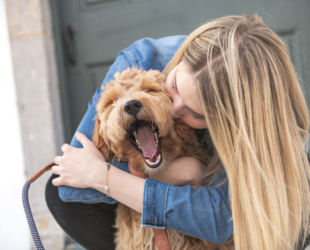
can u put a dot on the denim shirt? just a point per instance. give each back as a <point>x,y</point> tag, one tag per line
<point>203,212</point>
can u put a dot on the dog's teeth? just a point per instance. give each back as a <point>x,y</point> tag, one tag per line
<point>158,159</point>
<point>154,163</point>
<point>156,139</point>
<point>135,134</point>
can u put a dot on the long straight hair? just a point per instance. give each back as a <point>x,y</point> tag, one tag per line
<point>258,120</point>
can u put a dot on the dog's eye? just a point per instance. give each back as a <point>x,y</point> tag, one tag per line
<point>107,104</point>
<point>149,90</point>
<point>150,86</point>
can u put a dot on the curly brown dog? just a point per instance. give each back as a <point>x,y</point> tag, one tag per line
<point>135,123</point>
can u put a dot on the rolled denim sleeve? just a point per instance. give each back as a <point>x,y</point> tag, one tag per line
<point>124,60</point>
<point>204,213</point>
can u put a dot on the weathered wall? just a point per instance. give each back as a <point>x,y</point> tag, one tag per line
<point>32,47</point>
<point>12,177</point>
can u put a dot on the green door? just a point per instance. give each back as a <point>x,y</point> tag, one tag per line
<point>101,28</point>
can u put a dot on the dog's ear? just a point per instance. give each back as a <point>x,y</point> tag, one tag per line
<point>159,77</point>
<point>183,130</point>
<point>99,142</point>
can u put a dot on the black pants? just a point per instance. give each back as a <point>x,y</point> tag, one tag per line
<point>89,225</point>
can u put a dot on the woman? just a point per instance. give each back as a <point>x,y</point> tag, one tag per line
<point>233,76</point>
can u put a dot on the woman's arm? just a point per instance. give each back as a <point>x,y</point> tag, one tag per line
<point>203,213</point>
<point>123,187</point>
<point>182,171</point>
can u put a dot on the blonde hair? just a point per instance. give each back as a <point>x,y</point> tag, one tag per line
<point>258,120</point>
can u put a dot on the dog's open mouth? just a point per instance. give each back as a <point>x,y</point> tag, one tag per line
<point>144,136</point>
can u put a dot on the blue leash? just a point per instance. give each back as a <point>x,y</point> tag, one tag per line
<point>33,229</point>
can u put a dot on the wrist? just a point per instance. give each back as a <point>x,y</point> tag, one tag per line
<point>106,187</point>
<point>101,178</point>
<point>123,187</point>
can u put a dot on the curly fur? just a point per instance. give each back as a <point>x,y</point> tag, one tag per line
<point>177,139</point>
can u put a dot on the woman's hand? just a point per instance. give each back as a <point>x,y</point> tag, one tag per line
<point>184,170</point>
<point>79,167</point>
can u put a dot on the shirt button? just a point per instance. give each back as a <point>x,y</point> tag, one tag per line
<point>155,222</point>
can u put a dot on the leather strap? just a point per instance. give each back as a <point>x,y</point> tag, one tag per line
<point>160,234</point>
<point>41,171</point>
<point>161,239</point>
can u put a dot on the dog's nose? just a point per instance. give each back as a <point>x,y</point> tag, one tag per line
<point>133,107</point>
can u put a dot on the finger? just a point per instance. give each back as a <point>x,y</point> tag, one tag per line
<point>57,160</point>
<point>57,181</point>
<point>83,139</point>
<point>56,170</point>
<point>65,147</point>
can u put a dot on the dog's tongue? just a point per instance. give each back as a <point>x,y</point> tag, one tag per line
<point>146,140</point>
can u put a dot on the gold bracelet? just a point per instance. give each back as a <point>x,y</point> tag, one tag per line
<point>106,188</point>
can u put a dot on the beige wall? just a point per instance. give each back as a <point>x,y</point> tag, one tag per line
<point>32,49</point>
<point>12,177</point>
